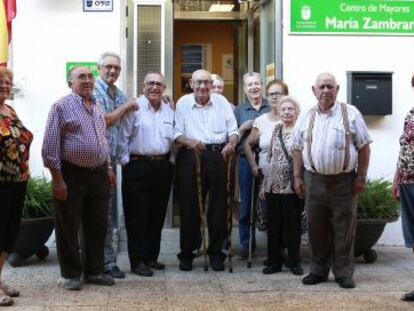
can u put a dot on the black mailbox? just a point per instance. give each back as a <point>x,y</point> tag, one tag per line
<point>370,92</point>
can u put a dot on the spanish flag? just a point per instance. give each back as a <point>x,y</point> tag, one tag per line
<point>4,35</point>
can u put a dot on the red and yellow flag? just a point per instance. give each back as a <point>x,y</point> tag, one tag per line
<point>7,13</point>
<point>4,36</point>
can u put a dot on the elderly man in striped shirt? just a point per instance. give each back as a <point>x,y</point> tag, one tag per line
<point>76,152</point>
<point>207,129</point>
<point>331,140</point>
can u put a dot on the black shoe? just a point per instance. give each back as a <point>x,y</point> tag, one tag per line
<point>346,282</point>
<point>115,272</point>
<point>296,270</point>
<point>217,264</point>
<point>156,265</point>
<point>272,269</point>
<point>408,296</point>
<point>142,270</point>
<point>100,279</point>
<point>186,265</point>
<point>313,279</point>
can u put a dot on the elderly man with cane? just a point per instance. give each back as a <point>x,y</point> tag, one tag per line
<point>206,128</point>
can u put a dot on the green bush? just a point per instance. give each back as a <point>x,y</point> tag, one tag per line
<point>376,201</point>
<point>39,199</point>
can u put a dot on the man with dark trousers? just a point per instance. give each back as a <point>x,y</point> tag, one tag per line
<point>144,145</point>
<point>76,152</point>
<point>331,141</point>
<point>206,128</point>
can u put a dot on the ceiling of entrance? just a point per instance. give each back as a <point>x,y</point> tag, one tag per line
<point>209,9</point>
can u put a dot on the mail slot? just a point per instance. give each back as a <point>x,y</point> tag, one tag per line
<point>370,92</point>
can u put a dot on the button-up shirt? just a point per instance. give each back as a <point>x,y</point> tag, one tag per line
<point>146,131</point>
<point>245,112</point>
<point>210,124</point>
<point>75,133</point>
<point>328,139</point>
<point>108,105</point>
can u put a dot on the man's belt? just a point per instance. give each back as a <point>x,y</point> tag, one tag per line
<point>155,157</point>
<point>104,166</point>
<point>214,147</point>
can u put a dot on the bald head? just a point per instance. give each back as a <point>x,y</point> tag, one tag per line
<point>201,85</point>
<point>325,90</point>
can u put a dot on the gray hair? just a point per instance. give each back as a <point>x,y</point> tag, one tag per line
<point>217,77</point>
<point>105,55</point>
<point>155,73</point>
<point>251,74</point>
<point>290,99</point>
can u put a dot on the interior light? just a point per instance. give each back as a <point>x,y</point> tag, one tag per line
<point>221,8</point>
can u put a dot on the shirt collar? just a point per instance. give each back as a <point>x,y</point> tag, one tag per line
<point>330,111</point>
<point>262,105</point>
<point>197,105</point>
<point>79,98</point>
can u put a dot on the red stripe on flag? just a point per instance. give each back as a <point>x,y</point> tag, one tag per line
<point>10,8</point>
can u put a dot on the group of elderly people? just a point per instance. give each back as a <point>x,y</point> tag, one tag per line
<point>320,163</point>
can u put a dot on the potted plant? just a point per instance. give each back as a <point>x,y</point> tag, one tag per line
<point>376,208</point>
<point>37,222</point>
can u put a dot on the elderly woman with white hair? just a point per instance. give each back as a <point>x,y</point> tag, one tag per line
<point>284,207</point>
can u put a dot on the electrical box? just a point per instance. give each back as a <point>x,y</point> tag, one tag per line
<point>370,92</point>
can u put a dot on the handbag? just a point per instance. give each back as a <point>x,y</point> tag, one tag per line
<point>288,157</point>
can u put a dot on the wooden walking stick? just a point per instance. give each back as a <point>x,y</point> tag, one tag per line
<point>203,212</point>
<point>229,214</point>
<point>249,259</point>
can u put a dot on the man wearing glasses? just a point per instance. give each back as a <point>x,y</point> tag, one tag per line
<point>206,128</point>
<point>113,102</point>
<point>144,145</point>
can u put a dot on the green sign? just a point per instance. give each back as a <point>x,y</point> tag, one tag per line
<point>93,66</point>
<point>394,17</point>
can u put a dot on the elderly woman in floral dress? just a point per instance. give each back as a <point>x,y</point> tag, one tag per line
<point>15,140</point>
<point>403,184</point>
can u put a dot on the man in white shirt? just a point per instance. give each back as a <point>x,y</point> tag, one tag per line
<point>331,141</point>
<point>144,144</point>
<point>204,125</point>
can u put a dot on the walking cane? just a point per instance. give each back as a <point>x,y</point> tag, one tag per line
<point>249,260</point>
<point>229,213</point>
<point>203,220</point>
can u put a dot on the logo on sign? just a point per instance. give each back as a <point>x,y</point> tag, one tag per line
<point>306,12</point>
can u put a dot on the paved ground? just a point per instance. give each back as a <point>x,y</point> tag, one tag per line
<point>379,286</point>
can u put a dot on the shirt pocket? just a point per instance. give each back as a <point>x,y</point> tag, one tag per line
<point>167,130</point>
<point>338,137</point>
<point>219,126</point>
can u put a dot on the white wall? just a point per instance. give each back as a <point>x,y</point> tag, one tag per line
<point>46,35</point>
<point>305,56</point>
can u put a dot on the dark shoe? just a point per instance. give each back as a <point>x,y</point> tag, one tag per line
<point>272,269</point>
<point>72,284</point>
<point>156,265</point>
<point>313,279</point>
<point>217,264</point>
<point>296,270</point>
<point>115,272</point>
<point>346,282</point>
<point>186,265</point>
<point>408,296</point>
<point>100,279</point>
<point>142,270</point>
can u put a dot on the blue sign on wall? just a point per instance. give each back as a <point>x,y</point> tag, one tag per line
<point>98,5</point>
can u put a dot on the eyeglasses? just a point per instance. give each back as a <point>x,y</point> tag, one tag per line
<point>5,83</point>
<point>275,94</point>
<point>152,83</point>
<point>201,82</point>
<point>114,67</point>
